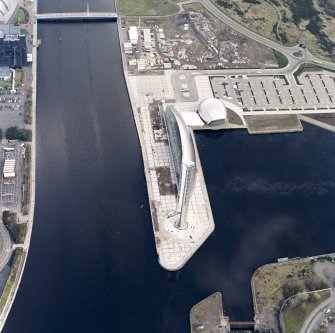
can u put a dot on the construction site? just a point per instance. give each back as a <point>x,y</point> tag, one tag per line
<point>191,40</point>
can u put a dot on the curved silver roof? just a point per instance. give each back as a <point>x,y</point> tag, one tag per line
<point>186,138</point>
<point>211,109</point>
<point>7,4</point>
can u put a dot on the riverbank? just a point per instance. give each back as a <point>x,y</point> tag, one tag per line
<point>25,247</point>
<point>272,284</point>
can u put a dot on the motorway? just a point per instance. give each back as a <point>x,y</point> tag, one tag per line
<point>313,321</point>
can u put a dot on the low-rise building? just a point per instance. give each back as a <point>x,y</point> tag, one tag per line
<point>128,48</point>
<point>212,111</point>
<point>9,164</point>
<point>147,39</point>
<point>5,73</point>
<point>133,35</point>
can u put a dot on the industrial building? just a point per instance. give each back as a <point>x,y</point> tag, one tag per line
<point>133,35</point>
<point>147,40</point>
<point>9,164</point>
<point>212,111</point>
<point>184,163</point>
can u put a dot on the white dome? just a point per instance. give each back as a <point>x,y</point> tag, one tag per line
<point>212,110</point>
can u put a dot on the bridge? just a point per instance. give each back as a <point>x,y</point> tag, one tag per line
<point>78,16</point>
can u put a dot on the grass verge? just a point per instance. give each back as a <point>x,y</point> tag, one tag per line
<point>26,181</point>
<point>18,254</point>
<point>19,75</point>
<point>146,8</point>
<point>21,17</point>
<point>28,107</point>
<point>281,59</point>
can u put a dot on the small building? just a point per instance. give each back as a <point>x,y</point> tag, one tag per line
<point>141,64</point>
<point>147,39</point>
<point>128,48</point>
<point>5,73</point>
<point>29,57</point>
<point>132,62</point>
<point>9,163</point>
<point>167,65</point>
<point>213,112</point>
<point>133,35</point>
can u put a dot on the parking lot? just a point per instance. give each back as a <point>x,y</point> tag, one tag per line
<point>312,90</point>
<point>12,109</point>
<point>11,190</point>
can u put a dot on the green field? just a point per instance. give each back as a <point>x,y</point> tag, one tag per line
<point>146,7</point>
<point>297,311</point>
<point>308,20</point>
<point>21,17</point>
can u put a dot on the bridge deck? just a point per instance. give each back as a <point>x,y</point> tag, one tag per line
<point>76,16</point>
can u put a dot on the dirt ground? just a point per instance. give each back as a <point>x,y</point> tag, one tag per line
<point>195,39</point>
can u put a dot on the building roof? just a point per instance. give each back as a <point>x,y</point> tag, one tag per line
<point>192,119</point>
<point>212,109</point>
<point>185,137</point>
<point>4,71</point>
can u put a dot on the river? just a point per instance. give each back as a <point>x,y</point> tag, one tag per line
<point>92,265</point>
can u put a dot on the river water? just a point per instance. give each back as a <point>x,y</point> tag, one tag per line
<point>92,265</point>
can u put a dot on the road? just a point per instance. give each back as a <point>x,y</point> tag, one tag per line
<point>313,321</point>
<point>6,250</point>
<point>294,61</point>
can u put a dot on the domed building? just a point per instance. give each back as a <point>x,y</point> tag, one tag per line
<point>213,112</point>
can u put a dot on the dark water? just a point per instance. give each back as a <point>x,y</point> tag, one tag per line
<point>92,265</point>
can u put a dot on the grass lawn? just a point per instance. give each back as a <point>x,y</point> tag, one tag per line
<point>281,59</point>
<point>24,31</point>
<point>20,17</point>
<point>5,84</point>
<point>26,178</point>
<point>19,77</point>
<point>295,314</point>
<point>11,278</point>
<point>146,7</point>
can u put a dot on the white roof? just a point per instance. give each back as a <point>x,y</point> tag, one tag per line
<point>211,109</point>
<point>192,119</point>
<point>9,175</point>
<point>133,33</point>
<point>146,35</point>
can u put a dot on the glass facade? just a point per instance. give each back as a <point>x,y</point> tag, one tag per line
<point>183,159</point>
<point>175,143</point>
